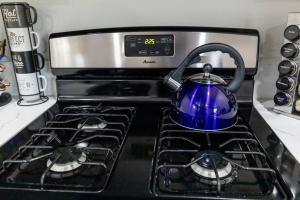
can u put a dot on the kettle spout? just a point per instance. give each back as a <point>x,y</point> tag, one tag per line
<point>172,83</point>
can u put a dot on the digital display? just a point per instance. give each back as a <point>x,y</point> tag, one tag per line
<point>149,41</point>
<point>149,45</point>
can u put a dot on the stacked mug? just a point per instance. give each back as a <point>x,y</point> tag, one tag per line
<point>23,42</point>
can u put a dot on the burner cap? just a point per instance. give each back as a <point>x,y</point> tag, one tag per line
<point>68,159</point>
<point>205,168</point>
<point>91,127</point>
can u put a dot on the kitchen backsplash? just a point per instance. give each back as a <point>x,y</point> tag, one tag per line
<point>268,16</point>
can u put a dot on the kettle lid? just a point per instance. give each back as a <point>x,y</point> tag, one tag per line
<point>203,78</point>
<point>207,77</point>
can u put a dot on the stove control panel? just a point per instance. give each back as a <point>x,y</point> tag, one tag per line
<point>287,97</point>
<point>149,45</point>
<point>148,48</point>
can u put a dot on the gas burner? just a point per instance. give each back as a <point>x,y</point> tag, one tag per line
<point>69,160</point>
<point>60,175</point>
<point>92,127</point>
<point>205,167</point>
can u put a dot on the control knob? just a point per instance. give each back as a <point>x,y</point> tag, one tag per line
<point>282,98</point>
<point>289,50</point>
<point>285,83</point>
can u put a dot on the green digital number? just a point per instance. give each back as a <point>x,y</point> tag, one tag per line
<point>149,41</point>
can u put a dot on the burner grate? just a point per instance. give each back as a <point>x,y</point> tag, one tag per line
<point>227,163</point>
<point>76,151</point>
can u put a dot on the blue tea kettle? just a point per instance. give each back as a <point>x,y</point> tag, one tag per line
<point>204,101</point>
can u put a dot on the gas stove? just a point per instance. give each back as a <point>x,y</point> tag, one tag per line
<point>110,135</point>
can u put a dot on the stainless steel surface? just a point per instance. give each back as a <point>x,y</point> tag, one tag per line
<point>106,50</point>
<point>293,18</point>
<point>173,84</point>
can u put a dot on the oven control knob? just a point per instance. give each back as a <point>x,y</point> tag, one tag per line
<point>282,98</point>
<point>285,83</point>
<point>289,50</point>
<point>292,33</point>
<point>287,67</point>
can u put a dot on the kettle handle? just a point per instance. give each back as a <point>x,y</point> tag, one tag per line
<point>173,79</point>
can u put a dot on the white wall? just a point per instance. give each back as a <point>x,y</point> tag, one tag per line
<point>268,16</point>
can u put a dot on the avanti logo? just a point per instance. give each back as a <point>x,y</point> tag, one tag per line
<point>149,61</point>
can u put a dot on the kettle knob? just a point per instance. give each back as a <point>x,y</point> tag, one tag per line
<point>207,68</point>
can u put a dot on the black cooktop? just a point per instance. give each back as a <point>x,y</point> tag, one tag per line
<point>123,150</point>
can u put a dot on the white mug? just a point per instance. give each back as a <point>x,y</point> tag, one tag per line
<point>29,86</point>
<point>21,39</point>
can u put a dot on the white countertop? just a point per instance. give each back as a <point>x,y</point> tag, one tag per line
<point>14,118</point>
<point>286,128</point>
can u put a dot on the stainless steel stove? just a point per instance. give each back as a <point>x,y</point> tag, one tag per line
<point>110,135</point>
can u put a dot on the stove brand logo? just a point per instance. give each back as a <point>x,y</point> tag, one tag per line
<point>149,61</point>
<point>10,15</point>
